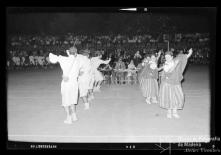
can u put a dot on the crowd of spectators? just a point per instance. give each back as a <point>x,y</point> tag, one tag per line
<point>33,50</point>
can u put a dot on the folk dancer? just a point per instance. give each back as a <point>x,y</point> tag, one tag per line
<point>171,95</point>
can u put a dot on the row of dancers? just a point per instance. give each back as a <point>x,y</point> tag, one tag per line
<point>80,79</point>
<point>168,94</point>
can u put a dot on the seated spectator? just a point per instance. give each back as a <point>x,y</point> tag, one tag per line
<point>131,75</point>
<point>120,74</point>
<point>137,58</point>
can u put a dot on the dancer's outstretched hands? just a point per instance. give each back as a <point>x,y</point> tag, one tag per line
<point>190,52</point>
<point>160,51</point>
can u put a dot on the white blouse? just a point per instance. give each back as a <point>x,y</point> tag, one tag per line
<point>153,65</point>
<point>69,65</point>
<point>168,65</point>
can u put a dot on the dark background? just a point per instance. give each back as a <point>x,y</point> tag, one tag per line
<point>182,20</point>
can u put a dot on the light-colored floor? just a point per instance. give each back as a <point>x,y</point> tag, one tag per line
<point>117,114</point>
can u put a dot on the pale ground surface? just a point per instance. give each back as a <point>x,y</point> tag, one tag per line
<point>117,114</point>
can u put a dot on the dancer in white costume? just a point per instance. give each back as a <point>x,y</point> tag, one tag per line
<point>91,83</point>
<point>95,63</point>
<point>85,77</point>
<point>70,66</point>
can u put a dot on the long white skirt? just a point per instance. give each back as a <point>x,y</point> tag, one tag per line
<point>84,85</point>
<point>91,82</point>
<point>69,92</point>
<point>98,76</point>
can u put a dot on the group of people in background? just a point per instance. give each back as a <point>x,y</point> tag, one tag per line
<point>23,60</point>
<point>31,51</point>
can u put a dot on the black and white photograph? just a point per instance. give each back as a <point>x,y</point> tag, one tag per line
<point>132,75</point>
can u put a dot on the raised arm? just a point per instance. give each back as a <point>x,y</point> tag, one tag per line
<point>158,54</point>
<point>190,52</point>
<point>174,66</point>
<point>53,58</point>
<point>105,62</point>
